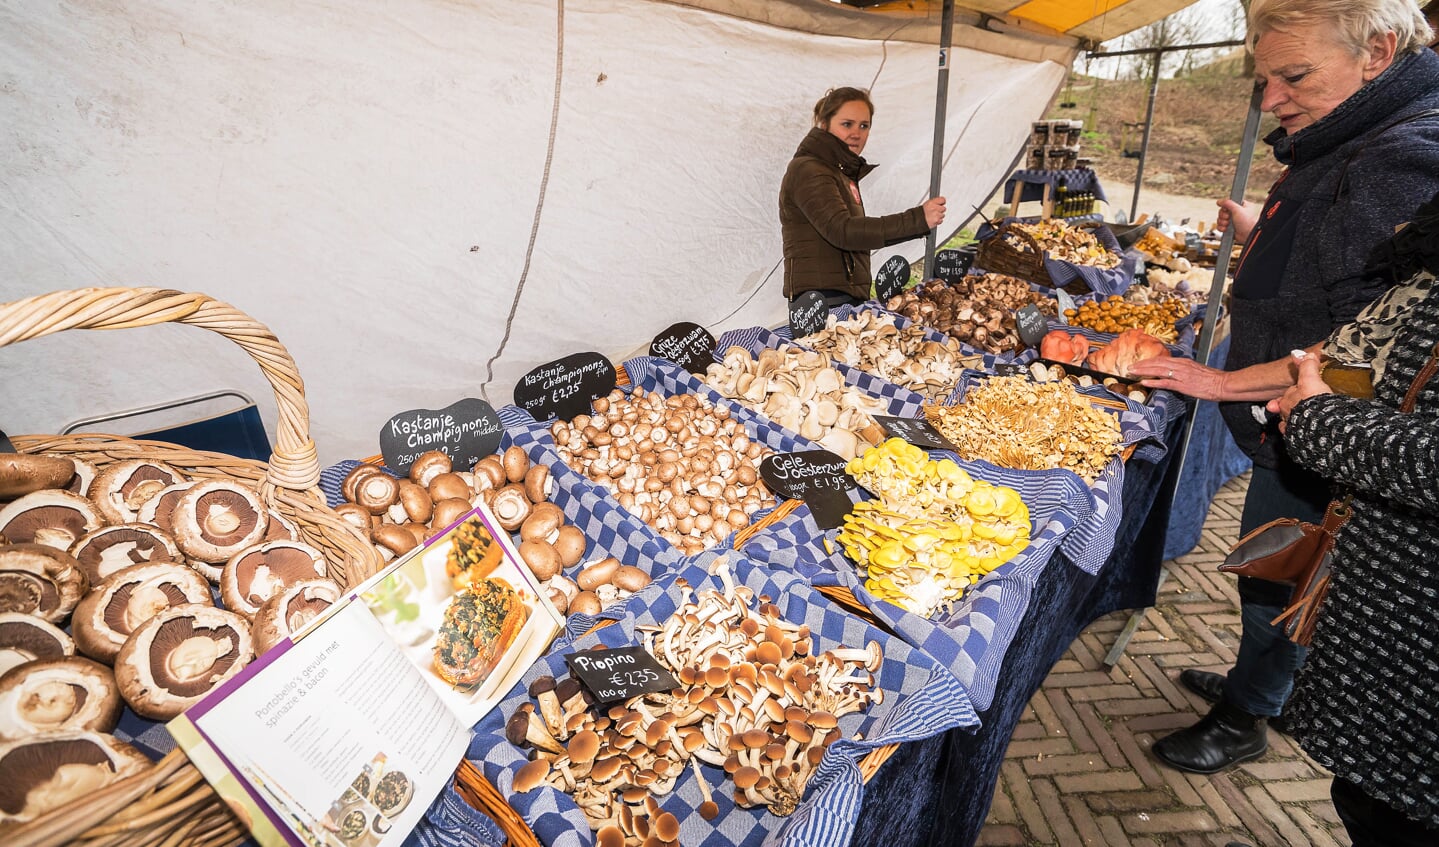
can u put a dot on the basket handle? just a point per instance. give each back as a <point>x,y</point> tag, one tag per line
<point>1011,229</point>
<point>295,464</point>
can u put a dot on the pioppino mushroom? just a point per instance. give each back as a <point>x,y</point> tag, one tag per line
<point>49,695</point>
<point>22,473</point>
<point>39,580</point>
<point>180,655</point>
<point>45,772</point>
<point>258,573</point>
<point>121,489</point>
<point>215,520</point>
<point>115,607</point>
<point>112,548</point>
<point>52,517</point>
<point>25,638</point>
<point>289,611</point>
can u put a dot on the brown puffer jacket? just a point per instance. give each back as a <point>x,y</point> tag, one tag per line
<point>827,238</point>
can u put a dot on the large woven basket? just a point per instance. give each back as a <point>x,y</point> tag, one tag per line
<point>170,803</point>
<point>997,255</point>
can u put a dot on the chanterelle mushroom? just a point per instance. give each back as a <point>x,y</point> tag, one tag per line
<point>113,609</point>
<point>258,573</point>
<point>47,771</point>
<point>52,517</point>
<point>119,490</point>
<point>21,473</point>
<point>25,638</point>
<point>112,548</point>
<point>39,580</point>
<point>58,694</point>
<point>217,519</point>
<point>179,656</point>
<point>289,611</point>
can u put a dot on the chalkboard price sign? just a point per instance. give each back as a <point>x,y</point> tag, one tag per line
<point>466,432</point>
<point>620,673</point>
<point>1032,325</point>
<point>565,387</point>
<point>1010,370</point>
<point>807,314</point>
<point>952,265</point>
<point>917,431</point>
<point>893,276</point>
<point>815,476</point>
<point>688,345</point>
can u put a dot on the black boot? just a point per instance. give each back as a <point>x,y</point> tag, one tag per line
<point>1208,685</point>
<point>1225,737</point>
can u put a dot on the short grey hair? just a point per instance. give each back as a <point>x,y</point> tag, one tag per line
<point>1353,22</point>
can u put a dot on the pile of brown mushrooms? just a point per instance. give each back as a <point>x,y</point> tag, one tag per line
<point>906,357</point>
<point>977,310</point>
<point>688,470</point>
<point>753,699</point>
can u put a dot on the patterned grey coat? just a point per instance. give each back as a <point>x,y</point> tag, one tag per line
<point>1366,703</point>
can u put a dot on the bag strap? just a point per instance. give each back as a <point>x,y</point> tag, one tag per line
<point>1420,380</point>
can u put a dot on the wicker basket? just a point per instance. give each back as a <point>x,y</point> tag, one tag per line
<point>170,803</point>
<point>997,255</point>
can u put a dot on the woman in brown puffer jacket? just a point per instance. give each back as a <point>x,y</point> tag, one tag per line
<point>827,238</point>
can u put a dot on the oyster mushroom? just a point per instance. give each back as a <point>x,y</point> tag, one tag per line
<point>52,517</point>
<point>215,520</point>
<point>258,573</point>
<point>25,638</point>
<point>22,473</point>
<point>121,489</point>
<point>116,606</point>
<point>289,611</point>
<point>39,580</point>
<point>45,772</point>
<point>180,655</point>
<point>112,548</point>
<point>50,695</point>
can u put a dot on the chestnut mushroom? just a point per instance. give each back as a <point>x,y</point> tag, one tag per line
<point>516,463</point>
<point>570,543</point>
<point>538,483</point>
<point>215,520</point>
<point>40,581</point>
<point>543,524</point>
<point>289,611</point>
<point>489,473</point>
<point>447,512</point>
<point>53,517</point>
<point>111,548</point>
<point>447,486</point>
<point>26,638</point>
<point>258,573</point>
<point>511,507</point>
<point>377,492</point>
<point>116,606</point>
<point>121,489</point>
<point>350,485</point>
<point>394,540</point>
<point>541,558</point>
<point>45,772</point>
<point>22,473</point>
<point>357,516</point>
<point>180,655</point>
<point>429,465</point>
<point>50,695</point>
<point>416,501</point>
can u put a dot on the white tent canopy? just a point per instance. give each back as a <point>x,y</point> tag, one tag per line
<point>382,183</point>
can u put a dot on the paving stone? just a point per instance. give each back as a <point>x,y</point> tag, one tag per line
<point>1129,801</point>
<point>1190,820</point>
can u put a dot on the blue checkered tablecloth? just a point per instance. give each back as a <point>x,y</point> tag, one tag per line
<point>922,700</point>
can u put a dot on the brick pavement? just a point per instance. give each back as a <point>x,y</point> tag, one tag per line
<point>1078,769</point>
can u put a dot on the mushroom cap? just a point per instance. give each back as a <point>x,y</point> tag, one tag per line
<point>53,517</point>
<point>532,775</point>
<point>119,490</point>
<point>667,827</point>
<point>122,601</point>
<point>111,548</point>
<point>538,483</point>
<point>449,511</point>
<point>258,573</point>
<point>177,657</point>
<point>217,519</point>
<point>428,465</point>
<point>48,695</point>
<point>541,558</point>
<point>354,477</point>
<point>25,638</point>
<point>377,492</point>
<point>84,475</point>
<point>446,486</point>
<point>583,746</point>
<point>291,610</point>
<point>280,528</point>
<point>159,510</point>
<point>630,578</point>
<point>516,463</point>
<point>511,507</point>
<point>544,522</point>
<point>45,772</point>
<point>416,501</point>
<point>599,573</point>
<point>394,538</point>
<point>40,580</point>
<point>489,473</point>
<point>22,473</point>
<point>585,603</point>
<point>570,543</point>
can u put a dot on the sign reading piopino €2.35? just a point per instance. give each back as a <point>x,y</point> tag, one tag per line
<point>688,345</point>
<point>815,476</point>
<point>893,276</point>
<point>466,431</point>
<point>565,387</point>
<point>619,673</point>
<point>807,314</point>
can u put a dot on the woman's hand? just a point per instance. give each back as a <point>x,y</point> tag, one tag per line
<point>1310,383</point>
<point>1242,215</point>
<point>934,211</point>
<point>1184,376</point>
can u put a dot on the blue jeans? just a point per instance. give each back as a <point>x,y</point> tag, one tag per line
<point>1263,672</point>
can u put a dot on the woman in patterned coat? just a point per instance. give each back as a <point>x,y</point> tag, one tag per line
<point>1366,703</point>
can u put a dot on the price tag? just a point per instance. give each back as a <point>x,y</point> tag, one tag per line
<point>620,673</point>
<point>917,431</point>
<point>1010,370</point>
<point>466,432</point>
<point>807,314</point>
<point>952,265</point>
<point>565,387</point>
<point>893,276</point>
<point>688,345</point>
<point>815,476</point>
<point>1032,325</point>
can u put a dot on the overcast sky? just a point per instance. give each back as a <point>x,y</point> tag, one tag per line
<point>1212,20</point>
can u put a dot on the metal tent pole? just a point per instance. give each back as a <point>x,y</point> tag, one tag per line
<point>1144,145</point>
<point>941,103</point>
